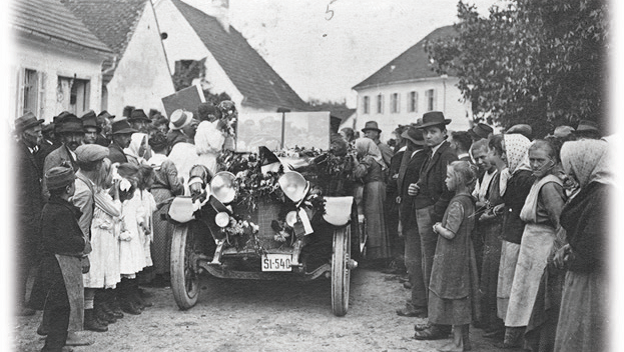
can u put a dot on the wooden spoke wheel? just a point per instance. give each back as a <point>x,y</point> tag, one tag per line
<point>184,278</point>
<point>340,271</point>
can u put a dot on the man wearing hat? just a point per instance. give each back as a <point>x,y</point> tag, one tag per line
<point>122,136</point>
<point>139,120</point>
<point>409,172</point>
<point>587,129</point>
<point>58,286</point>
<point>181,127</point>
<point>431,197</point>
<point>480,131</point>
<point>91,128</point>
<point>523,129</point>
<point>104,124</point>
<point>371,130</point>
<point>28,200</point>
<point>71,130</point>
<point>90,158</point>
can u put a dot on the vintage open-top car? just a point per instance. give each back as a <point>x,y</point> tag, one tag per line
<point>265,217</point>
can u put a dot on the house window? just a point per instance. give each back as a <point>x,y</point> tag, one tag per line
<point>413,102</point>
<point>366,104</point>
<point>394,103</point>
<point>31,94</point>
<point>73,94</point>
<point>430,96</point>
<point>380,104</point>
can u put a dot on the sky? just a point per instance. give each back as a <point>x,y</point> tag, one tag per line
<point>322,48</point>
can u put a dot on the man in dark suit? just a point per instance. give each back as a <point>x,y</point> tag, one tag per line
<point>431,199</point>
<point>28,201</point>
<point>122,136</point>
<point>71,130</point>
<point>460,143</point>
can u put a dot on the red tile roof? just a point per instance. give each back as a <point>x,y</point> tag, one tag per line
<point>411,64</point>
<point>253,77</point>
<point>51,20</point>
<point>112,21</point>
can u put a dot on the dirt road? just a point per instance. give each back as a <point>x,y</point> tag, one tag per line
<point>255,316</point>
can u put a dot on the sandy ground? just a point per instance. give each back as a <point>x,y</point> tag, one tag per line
<point>244,315</point>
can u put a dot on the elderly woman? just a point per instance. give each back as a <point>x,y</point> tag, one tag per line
<point>585,218</point>
<point>542,233</point>
<point>137,151</point>
<point>370,172</point>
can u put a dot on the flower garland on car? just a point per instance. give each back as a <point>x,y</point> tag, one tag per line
<point>242,233</point>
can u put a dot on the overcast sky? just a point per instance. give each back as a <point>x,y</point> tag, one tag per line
<point>322,55</point>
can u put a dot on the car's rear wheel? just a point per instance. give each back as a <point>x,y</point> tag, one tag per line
<point>184,278</point>
<point>340,271</point>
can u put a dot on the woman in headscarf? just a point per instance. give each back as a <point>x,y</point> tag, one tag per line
<point>371,172</point>
<point>516,183</point>
<point>136,152</point>
<point>585,218</point>
<point>527,310</point>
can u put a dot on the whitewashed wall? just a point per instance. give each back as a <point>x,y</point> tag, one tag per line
<point>54,60</point>
<point>142,77</point>
<point>453,107</point>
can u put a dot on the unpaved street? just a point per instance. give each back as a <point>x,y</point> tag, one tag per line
<point>254,316</point>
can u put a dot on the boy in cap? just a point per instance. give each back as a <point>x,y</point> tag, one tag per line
<point>58,287</point>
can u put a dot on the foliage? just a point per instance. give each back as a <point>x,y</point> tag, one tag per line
<point>541,62</point>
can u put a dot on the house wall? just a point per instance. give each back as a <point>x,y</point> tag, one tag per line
<point>448,99</point>
<point>53,60</point>
<point>142,77</point>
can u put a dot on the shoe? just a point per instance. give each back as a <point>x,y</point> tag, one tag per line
<point>103,316</point>
<point>73,339</point>
<point>130,308</point>
<point>92,323</point>
<point>42,331</point>
<point>421,327</point>
<point>435,332</point>
<point>407,285</point>
<point>144,293</point>
<point>408,311</point>
<point>25,311</point>
<point>403,279</point>
<point>116,308</point>
<point>106,308</point>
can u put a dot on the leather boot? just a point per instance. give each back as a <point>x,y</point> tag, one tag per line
<point>92,323</point>
<point>102,316</point>
<point>106,308</point>
<point>114,304</point>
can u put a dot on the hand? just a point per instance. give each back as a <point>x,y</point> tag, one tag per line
<point>561,256</point>
<point>413,189</point>
<point>435,227</point>
<point>86,264</point>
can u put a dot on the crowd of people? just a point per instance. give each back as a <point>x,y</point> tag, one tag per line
<point>90,192</point>
<point>498,231</point>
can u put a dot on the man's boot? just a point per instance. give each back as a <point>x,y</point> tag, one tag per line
<point>92,323</point>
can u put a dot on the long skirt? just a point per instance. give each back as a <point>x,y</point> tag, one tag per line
<point>374,198</point>
<point>537,243</point>
<point>161,247</point>
<point>489,272</point>
<point>104,256</point>
<point>582,321</point>
<point>450,311</point>
<point>506,272</point>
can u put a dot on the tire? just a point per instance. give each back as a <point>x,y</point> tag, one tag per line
<point>340,273</point>
<point>184,280</point>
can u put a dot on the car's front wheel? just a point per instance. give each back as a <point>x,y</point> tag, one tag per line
<point>184,278</point>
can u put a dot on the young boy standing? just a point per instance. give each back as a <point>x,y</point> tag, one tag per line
<point>58,288</point>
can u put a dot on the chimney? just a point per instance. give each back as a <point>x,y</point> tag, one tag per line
<point>215,8</point>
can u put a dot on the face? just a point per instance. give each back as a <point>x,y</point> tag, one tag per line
<point>123,139</point>
<point>162,128</point>
<point>493,157</point>
<point>451,179</point>
<point>541,163</point>
<point>140,126</point>
<point>33,136</point>
<point>434,136</point>
<point>72,139</point>
<point>71,189</point>
<point>480,156</point>
<point>90,135</point>
<point>371,134</point>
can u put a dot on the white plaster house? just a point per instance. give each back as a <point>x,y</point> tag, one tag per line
<point>404,89</point>
<point>202,31</point>
<point>55,63</point>
<point>138,74</point>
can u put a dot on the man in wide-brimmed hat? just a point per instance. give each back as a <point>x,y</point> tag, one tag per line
<point>371,130</point>
<point>122,136</point>
<point>480,131</point>
<point>71,130</point>
<point>28,201</point>
<point>523,129</point>
<point>181,127</point>
<point>91,128</point>
<point>431,197</point>
<point>139,120</point>
<point>587,129</point>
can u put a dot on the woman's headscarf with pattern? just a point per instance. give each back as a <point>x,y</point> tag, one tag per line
<point>517,152</point>
<point>588,160</point>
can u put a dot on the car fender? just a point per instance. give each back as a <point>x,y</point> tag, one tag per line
<point>338,210</point>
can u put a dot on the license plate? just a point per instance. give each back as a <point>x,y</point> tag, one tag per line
<point>276,262</point>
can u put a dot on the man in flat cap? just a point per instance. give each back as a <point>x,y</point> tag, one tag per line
<point>90,158</point>
<point>28,200</point>
<point>122,136</point>
<point>71,130</point>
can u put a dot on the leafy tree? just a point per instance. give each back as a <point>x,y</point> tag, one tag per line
<point>541,62</point>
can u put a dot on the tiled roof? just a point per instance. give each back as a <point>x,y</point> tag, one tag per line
<point>51,20</point>
<point>112,21</point>
<point>253,77</point>
<point>412,64</point>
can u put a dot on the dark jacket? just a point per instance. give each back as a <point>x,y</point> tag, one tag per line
<point>116,153</point>
<point>433,190</point>
<point>59,156</point>
<point>101,140</point>
<point>29,198</point>
<point>586,221</point>
<point>518,187</point>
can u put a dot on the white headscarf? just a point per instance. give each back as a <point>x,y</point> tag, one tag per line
<point>135,145</point>
<point>367,147</point>
<point>588,160</point>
